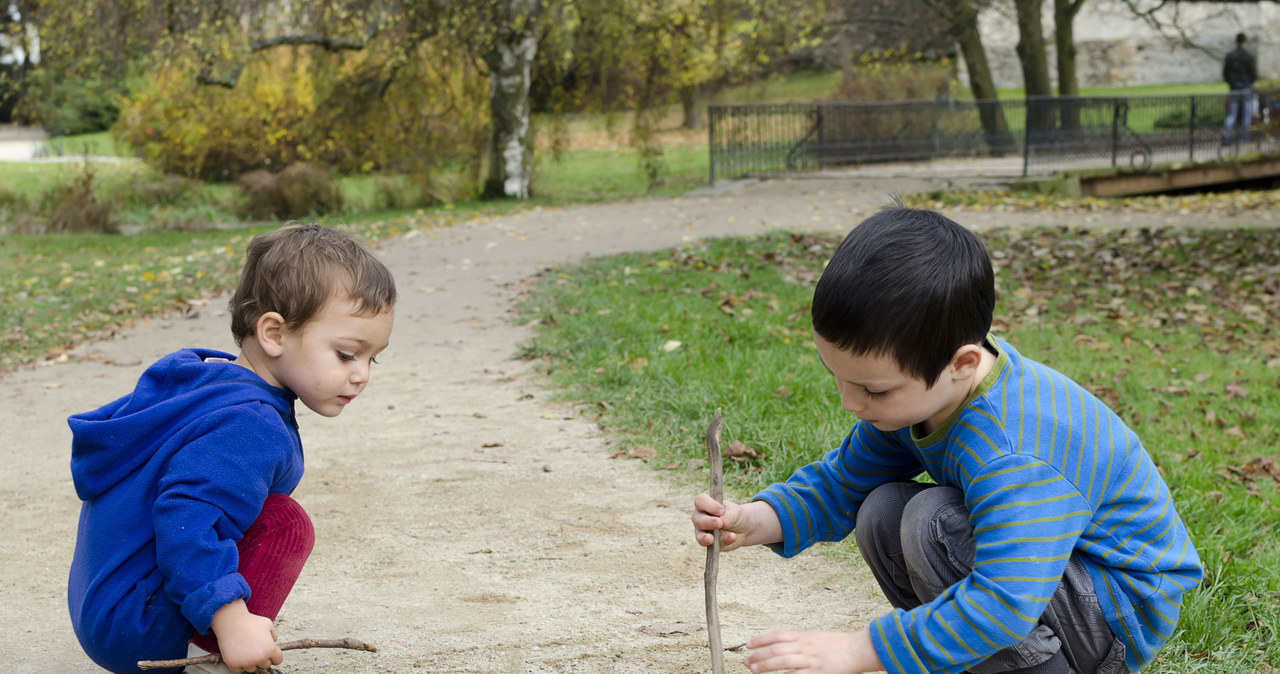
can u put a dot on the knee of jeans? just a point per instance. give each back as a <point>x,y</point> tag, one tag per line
<point>932,519</point>
<point>878,516</point>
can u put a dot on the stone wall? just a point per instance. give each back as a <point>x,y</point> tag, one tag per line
<point>1114,48</point>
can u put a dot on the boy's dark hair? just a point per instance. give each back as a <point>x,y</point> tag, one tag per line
<point>1241,39</point>
<point>909,284</point>
<point>295,269</point>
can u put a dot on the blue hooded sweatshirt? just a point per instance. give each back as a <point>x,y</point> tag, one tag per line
<point>171,476</point>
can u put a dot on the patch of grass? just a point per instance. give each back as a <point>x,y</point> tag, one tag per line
<point>1172,328</point>
<point>602,175</point>
<point>804,86</point>
<point>100,144</point>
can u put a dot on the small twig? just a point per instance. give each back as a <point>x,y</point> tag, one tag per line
<point>214,658</point>
<point>713,552</point>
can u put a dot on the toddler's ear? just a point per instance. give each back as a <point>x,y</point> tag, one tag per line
<point>270,333</point>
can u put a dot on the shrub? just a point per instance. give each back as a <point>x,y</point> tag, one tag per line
<point>299,106</point>
<point>895,75</point>
<point>74,207</point>
<point>298,191</point>
<point>68,105</point>
<point>214,133</point>
<point>169,190</point>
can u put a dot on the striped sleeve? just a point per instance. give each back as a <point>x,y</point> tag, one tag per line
<point>1026,519</point>
<point>820,501</point>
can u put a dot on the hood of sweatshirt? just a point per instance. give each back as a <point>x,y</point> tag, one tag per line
<point>112,441</point>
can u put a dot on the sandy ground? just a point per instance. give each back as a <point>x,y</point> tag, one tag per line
<point>466,522</point>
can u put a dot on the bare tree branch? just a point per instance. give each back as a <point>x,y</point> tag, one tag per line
<point>1171,30</point>
<point>326,42</point>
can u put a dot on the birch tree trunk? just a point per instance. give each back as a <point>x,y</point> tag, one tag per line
<point>510,62</point>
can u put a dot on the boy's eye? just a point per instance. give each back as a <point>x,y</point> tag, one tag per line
<point>875,394</point>
<point>346,356</point>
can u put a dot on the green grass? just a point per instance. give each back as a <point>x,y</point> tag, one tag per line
<point>601,175</point>
<point>800,87</point>
<point>99,143</point>
<point>1173,329</point>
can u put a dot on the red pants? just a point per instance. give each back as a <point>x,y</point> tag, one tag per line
<point>272,553</point>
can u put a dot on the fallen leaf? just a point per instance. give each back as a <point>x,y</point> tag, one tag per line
<point>781,393</point>
<point>737,450</point>
<point>671,345</point>
<point>1235,389</point>
<point>641,452</point>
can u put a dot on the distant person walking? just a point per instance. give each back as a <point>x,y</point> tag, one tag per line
<point>1239,69</point>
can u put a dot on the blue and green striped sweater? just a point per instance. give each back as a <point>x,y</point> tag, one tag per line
<point>1047,469</point>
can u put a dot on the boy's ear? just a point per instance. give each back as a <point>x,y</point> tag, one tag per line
<point>270,333</point>
<point>966,360</point>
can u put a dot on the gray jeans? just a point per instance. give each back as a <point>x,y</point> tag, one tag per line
<point>918,541</point>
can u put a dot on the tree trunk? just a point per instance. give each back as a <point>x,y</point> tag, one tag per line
<point>510,62</point>
<point>691,100</point>
<point>962,18</point>
<point>1035,65</point>
<point>1064,36</point>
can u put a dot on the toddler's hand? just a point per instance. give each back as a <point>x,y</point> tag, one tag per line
<point>709,515</point>
<point>814,653</point>
<point>247,641</point>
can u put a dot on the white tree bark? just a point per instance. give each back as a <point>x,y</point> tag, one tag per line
<point>510,64</point>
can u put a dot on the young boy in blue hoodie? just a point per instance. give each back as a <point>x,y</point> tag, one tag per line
<point>188,540</point>
<point>1047,540</point>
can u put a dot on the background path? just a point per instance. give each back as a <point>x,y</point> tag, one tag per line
<point>465,523</point>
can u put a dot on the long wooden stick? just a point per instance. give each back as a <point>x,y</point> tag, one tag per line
<point>713,552</point>
<point>214,658</point>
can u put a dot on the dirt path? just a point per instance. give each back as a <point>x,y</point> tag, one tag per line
<point>465,523</point>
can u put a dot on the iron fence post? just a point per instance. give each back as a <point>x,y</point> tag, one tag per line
<point>711,141</point>
<point>1026,135</point>
<point>1191,142</point>
<point>1115,133</point>
<point>822,144</point>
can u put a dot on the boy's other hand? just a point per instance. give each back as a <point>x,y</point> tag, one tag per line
<point>247,641</point>
<point>814,653</point>
<point>710,515</point>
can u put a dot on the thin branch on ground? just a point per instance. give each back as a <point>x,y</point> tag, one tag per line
<point>214,658</point>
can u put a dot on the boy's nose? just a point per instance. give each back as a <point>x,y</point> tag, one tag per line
<point>848,402</point>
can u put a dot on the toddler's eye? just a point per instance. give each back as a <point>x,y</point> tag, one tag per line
<point>346,356</point>
<point>875,394</point>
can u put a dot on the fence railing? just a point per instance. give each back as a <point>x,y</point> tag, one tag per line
<point>1130,133</point>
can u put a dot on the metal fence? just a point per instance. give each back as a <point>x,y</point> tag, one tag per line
<point>1129,133</point>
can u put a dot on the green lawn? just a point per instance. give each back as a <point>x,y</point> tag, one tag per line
<point>1173,329</point>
